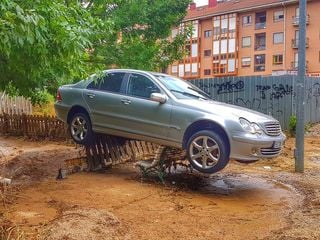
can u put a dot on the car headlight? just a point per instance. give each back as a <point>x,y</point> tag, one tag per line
<point>252,128</point>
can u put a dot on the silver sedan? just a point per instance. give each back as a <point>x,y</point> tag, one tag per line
<point>166,110</point>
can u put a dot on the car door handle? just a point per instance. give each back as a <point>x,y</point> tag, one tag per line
<point>126,101</point>
<point>91,95</point>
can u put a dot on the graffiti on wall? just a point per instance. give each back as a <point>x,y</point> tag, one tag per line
<point>313,94</point>
<point>229,87</point>
<point>275,91</point>
<point>274,96</point>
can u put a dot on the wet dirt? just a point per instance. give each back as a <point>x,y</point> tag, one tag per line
<point>264,200</point>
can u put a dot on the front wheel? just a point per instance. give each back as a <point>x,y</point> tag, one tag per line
<point>80,128</point>
<point>207,151</point>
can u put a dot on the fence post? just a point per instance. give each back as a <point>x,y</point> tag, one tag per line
<point>5,123</point>
<point>24,125</point>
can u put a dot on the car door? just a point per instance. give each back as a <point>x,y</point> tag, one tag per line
<point>104,102</point>
<point>144,116</point>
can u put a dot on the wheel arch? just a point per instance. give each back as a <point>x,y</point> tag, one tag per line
<point>205,125</point>
<point>77,109</point>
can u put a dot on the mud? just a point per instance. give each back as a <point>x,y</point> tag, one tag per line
<point>264,200</point>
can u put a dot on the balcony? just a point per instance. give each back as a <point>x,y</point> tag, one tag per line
<point>260,47</point>
<point>295,20</point>
<point>260,20</point>
<point>295,43</point>
<point>294,65</point>
<point>261,25</point>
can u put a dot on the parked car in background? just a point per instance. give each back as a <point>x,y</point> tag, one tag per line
<point>169,111</point>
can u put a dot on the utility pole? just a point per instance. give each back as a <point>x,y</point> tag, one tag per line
<point>300,100</point>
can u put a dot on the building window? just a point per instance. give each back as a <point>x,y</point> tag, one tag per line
<point>181,70</point>
<point>297,12</point>
<point>207,33</point>
<point>207,72</point>
<point>246,42</point>
<point>259,63</point>
<point>278,38</point>
<point>195,27</point>
<point>246,62</point>
<point>224,25</point>
<point>246,20</point>
<point>277,59</point>
<point>194,69</point>
<point>174,69</point>
<point>278,16</point>
<point>261,19</point>
<point>207,53</point>
<point>188,50</point>
<point>194,50</point>
<point>187,70</point>
<point>174,32</point>
<point>260,41</point>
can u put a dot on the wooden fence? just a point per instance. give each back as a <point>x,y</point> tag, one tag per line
<point>14,105</point>
<point>34,126</point>
<point>108,150</point>
<point>103,151</point>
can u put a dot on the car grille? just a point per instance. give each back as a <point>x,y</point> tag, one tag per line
<point>273,128</point>
<point>270,151</point>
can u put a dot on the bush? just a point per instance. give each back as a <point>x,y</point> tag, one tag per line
<point>292,125</point>
<point>41,97</point>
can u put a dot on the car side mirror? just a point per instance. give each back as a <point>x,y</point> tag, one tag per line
<point>158,97</point>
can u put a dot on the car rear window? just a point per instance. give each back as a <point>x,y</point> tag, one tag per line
<point>112,82</point>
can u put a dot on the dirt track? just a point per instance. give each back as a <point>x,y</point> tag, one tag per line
<point>265,200</point>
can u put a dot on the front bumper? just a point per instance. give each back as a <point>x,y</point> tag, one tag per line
<point>248,147</point>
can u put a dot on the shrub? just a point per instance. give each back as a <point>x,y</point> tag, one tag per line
<point>292,125</point>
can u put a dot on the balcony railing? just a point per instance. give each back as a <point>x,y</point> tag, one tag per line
<point>295,65</point>
<point>295,20</point>
<point>260,47</point>
<point>295,43</point>
<point>259,67</point>
<point>261,25</point>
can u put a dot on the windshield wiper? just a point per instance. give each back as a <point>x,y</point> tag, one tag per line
<point>200,92</point>
<point>188,94</point>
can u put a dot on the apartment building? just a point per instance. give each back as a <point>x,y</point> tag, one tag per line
<point>247,37</point>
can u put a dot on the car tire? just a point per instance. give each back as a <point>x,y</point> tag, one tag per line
<point>80,129</point>
<point>208,152</point>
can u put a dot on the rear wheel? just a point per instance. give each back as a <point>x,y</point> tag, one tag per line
<point>80,128</point>
<point>207,151</point>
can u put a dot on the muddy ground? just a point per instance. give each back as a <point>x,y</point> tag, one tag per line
<point>264,200</point>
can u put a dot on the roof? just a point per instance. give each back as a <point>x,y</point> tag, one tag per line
<point>232,6</point>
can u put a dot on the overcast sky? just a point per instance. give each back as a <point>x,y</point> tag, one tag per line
<point>201,2</point>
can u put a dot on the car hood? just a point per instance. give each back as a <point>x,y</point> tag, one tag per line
<point>224,109</point>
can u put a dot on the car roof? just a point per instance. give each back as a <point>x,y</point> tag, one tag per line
<point>137,71</point>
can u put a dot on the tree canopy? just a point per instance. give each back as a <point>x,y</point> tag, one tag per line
<point>45,43</point>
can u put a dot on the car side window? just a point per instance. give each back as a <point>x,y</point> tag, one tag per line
<point>112,82</point>
<point>141,86</point>
<point>93,85</point>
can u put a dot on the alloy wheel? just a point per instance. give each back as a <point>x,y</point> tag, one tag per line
<point>79,128</point>
<point>204,152</point>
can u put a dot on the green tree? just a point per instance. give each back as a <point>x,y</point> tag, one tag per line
<point>46,43</point>
<point>145,26</point>
<point>43,43</point>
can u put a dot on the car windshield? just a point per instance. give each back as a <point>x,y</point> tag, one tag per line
<point>182,89</point>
